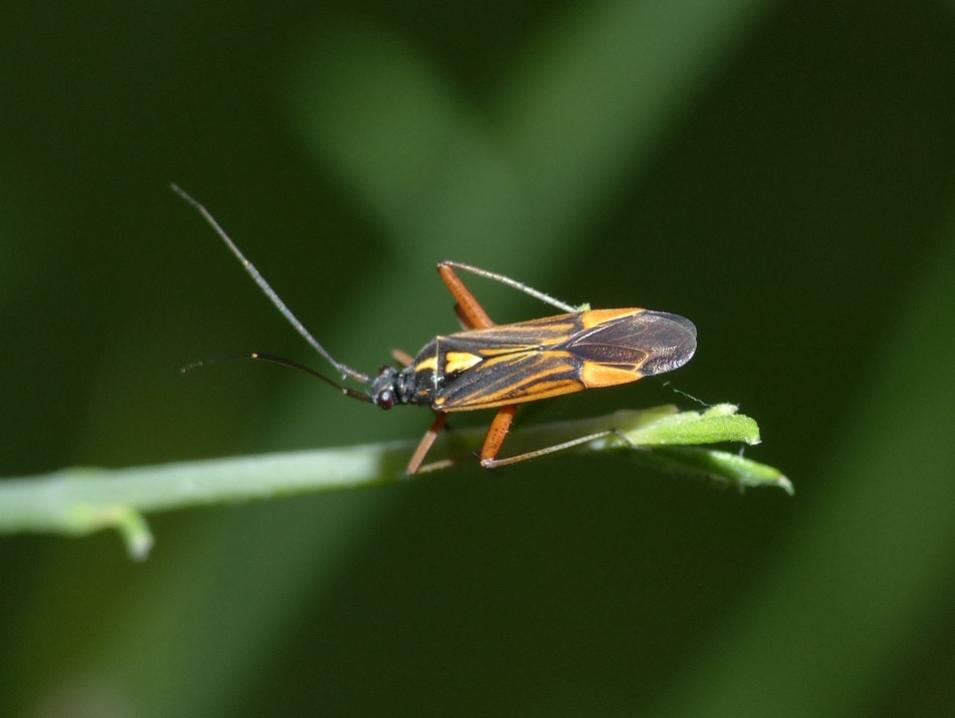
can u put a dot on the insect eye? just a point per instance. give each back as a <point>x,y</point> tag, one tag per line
<point>385,400</point>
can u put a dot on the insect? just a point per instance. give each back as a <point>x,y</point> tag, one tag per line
<point>491,366</point>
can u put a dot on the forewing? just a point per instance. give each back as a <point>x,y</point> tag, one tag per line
<point>517,337</point>
<point>511,378</point>
<point>526,361</point>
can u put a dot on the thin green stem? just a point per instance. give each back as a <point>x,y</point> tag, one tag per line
<point>79,501</point>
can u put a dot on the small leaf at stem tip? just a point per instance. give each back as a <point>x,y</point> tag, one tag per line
<point>717,424</point>
<point>670,442</point>
<point>721,466</point>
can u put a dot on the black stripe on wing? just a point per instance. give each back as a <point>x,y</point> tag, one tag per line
<point>511,379</point>
<point>521,336</point>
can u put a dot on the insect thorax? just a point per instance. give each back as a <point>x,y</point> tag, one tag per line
<point>418,383</point>
<point>400,386</point>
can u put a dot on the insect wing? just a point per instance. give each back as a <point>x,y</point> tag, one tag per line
<point>624,348</point>
<point>527,361</point>
<point>511,378</point>
<point>520,336</point>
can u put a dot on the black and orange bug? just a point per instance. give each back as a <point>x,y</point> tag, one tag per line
<point>491,366</point>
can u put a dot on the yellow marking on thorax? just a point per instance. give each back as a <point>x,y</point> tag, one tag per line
<point>431,363</point>
<point>459,361</point>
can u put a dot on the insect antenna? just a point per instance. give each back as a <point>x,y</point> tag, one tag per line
<point>343,369</point>
<point>281,361</point>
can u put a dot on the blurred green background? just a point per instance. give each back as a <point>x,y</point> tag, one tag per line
<point>781,172</point>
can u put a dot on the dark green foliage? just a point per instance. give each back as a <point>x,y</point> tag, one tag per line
<point>782,174</point>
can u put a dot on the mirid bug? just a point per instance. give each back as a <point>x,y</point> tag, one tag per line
<point>491,366</point>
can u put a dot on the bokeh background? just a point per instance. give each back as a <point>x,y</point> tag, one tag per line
<point>781,172</point>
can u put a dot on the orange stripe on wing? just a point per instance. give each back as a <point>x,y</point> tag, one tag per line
<point>595,375</point>
<point>510,379</point>
<point>594,317</point>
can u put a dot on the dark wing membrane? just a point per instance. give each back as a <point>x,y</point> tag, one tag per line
<point>510,379</point>
<point>649,342</point>
<point>522,336</point>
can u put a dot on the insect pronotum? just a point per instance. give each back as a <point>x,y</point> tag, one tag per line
<point>497,366</point>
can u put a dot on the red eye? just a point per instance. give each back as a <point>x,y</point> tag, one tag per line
<point>385,400</point>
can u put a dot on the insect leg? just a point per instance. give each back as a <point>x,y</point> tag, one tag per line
<point>426,442</point>
<point>493,463</point>
<point>461,317</point>
<point>468,309</point>
<point>402,357</point>
<point>512,283</point>
<point>472,314</point>
<point>496,433</point>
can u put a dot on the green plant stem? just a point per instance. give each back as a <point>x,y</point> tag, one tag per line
<point>79,501</point>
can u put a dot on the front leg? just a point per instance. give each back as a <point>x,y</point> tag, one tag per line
<point>424,446</point>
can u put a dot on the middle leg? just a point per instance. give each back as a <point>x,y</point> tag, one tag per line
<point>473,316</point>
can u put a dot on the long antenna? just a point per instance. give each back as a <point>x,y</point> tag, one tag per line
<point>281,361</point>
<point>343,369</point>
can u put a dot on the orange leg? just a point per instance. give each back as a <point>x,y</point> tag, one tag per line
<point>461,316</point>
<point>473,316</point>
<point>468,309</point>
<point>496,433</point>
<point>402,357</point>
<point>424,446</point>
